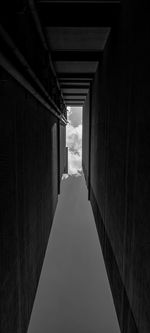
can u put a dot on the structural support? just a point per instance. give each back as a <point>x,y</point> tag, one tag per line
<point>58,153</point>
<point>21,79</point>
<point>42,37</point>
<point>76,56</point>
<point>27,78</point>
<point>89,155</point>
<point>102,13</point>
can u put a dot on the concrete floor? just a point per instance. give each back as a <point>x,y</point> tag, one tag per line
<point>73,292</point>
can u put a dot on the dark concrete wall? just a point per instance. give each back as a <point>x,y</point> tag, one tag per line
<point>29,188</point>
<point>120,164</point>
<point>62,149</point>
<point>19,24</point>
<point>85,138</point>
<point>32,158</point>
<point>24,32</point>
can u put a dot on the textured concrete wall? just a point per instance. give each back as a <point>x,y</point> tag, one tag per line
<point>85,138</point>
<point>32,158</point>
<point>19,24</point>
<point>120,163</point>
<point>22,32</point>
<point>29,188</point>
<point>121,301</point>
<point>62,149</point>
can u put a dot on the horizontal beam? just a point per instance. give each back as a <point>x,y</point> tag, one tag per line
<point>69,92</point>
<point>71,83</point>
<point>21,71</point>
<point>75,104</point>
<point>29,87</point>
<point>81,1</point>
<point>42,36</point>
<point>67,100</point>
<point>74,94</point>
<point>74,87</point>
<point>76,56</point>
<point>75,97</point>
<point>76,13</point>
<point>75,77</point>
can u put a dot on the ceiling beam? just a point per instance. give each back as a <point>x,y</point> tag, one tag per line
<point>75,103</point>
<point>74,86</point>
<point>76,56</point>
<point>75,77</point>
<point>77,91</point>
<point>77,13</point>
<point>75,98</point>
<point>74,94</point>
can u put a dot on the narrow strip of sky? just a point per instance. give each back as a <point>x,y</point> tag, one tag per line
<point>74,141</point>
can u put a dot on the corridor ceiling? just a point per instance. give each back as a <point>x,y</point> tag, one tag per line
<point>76,33</point>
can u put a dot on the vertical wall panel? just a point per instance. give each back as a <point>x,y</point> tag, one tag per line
<point>28,197</point>
<point>85,138</point>
<point>120,164</point>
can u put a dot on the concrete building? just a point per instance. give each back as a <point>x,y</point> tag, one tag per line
<point>95,54</point>
<point>66,161</point>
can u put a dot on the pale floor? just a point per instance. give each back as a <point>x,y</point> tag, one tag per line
<point>73,295</point>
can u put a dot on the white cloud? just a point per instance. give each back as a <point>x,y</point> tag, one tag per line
<point>65,176</point>
<point>75,116</point>
<point>74,143</point>
<point>69,111</point>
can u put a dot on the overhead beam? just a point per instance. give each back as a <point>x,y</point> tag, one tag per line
<point>74,86</point>
<point>76,13</point>
<point>79,1</point>
<point>14,62</point>
<point>76,56</point>
<point>76,67</point>
<point>74,100</point>
<point>75,104</point>
<point>74,94</point>
<point>70,84</point>
<point>75,77</point>
<point>75,91</point>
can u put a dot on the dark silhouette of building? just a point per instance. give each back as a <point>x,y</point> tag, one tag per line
<point>66,161</point>
<point>95,54</point>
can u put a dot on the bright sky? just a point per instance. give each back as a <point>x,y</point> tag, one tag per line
<point>74,141</point>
